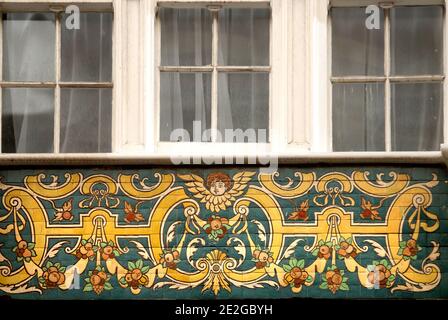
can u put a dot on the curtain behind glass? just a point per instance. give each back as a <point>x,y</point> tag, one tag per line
<point>28,55</point>
<point>86,120</point>
<point>184,98</point>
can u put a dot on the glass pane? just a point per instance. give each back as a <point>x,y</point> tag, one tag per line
<point>417,116</point>
<point>243,103</point>
<point>28,47</point>
<point>417,40</point>
<point>185,98</point>
<point>356,50</point>
<point>358,117</point>
<point>86,120</point>
<point>27,120</point>
<point>186,37</point>
<point>87,51</point>
<point>244,37</point>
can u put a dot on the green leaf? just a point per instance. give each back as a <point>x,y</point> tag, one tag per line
<point>62,269</point>
<point>329,244</point>
<point>391,278</point>
<point>315,252</point>
<point>31,245</point>
<point>342,272</point>
<point>370,268</point>
<point>403,244</point>
<point>323,285</point>
<point>287,267</point>
<point>90,273</point>
<point>301,264</point>
<point>206,226</point>
<point>383,262</point>
<point>139,264</point>
<point>349,240</point>
<point>309,279</point>
<point>33,253</point>
<point>14,249</point>
<point>108,286</point>
<point>344,287</point>
<point>116,252</point>
<point>145,269</point>
<point>87,280</point>
<point>219,231</point>
<point>49,264</point>
<point>293,262</point>
<point>41,279</point>
<point>88,287</point>
<point>83,241</point>
<point>321,242</point>
<point>400,251</point>
<point>111,243</point>
<point>19,259</point>
<point>103,245</point>
<point>344,279</point>
<point>413,257</point>
<point>123,280</point>
<point>131,265</point>
<point>57,265</point>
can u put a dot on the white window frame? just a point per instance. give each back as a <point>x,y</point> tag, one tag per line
<point>325,144</point>
<point>58,9</point>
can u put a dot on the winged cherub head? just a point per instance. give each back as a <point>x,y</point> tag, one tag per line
<point>218,183</point>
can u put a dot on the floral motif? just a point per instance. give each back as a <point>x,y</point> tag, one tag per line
<point>369,211</point>
<point>345,248</point>
<point>86,250</point>
<point>262,258</point>
<point>296,275</point>
<point>169,259</point>
<point>64,213</point>
<point>301,212</point>
<point>334,280</point>
<point>132,214</point>
<point>108,250</point>
<point>98,281</point>
<point>216,277</point>
<point>379,275</point>
<point>136,276</point>
<point>53,275</point>
<point>24,251</point>
<point>323,250</point>
<point>409,249</point>
<point>216,227</point>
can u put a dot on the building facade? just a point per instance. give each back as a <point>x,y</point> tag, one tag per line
<point>223,149</point>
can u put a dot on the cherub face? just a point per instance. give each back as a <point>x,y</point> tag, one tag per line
<point>218,188</point>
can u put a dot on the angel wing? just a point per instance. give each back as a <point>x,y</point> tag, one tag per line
<point>215,203</point>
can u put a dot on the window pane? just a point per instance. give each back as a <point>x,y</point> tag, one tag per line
<point>86,119</point>
<point>184,98</point>
<point>356,50</point>
<point>27,120</point>
<point>417,116</point>
<point>186,38</point>
<point>28,47</point>
<point>243,103</point>
<point>244,37</point>
<point>358,117</point>
<point>87,51</point>
<point>417,40</point>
